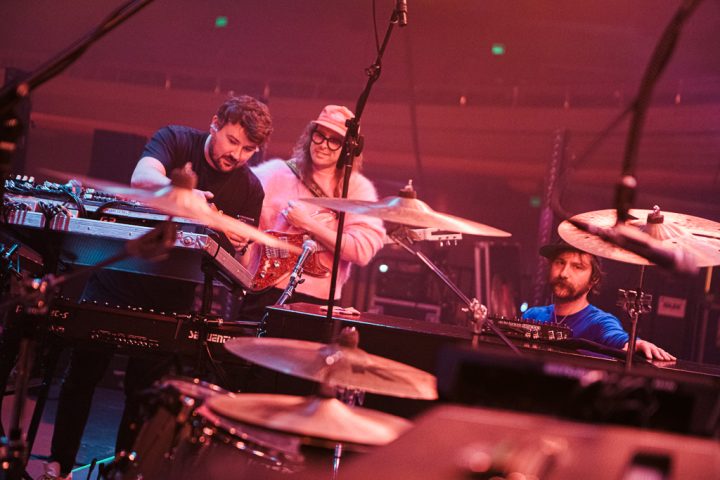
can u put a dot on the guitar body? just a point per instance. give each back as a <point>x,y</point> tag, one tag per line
<point>276,264</point>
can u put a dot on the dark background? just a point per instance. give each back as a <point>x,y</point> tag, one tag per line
<point>475,131</point>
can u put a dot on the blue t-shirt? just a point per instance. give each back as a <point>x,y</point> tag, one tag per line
<point>590,323</point>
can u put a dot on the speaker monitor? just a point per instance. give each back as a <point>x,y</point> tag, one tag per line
<point>581,388</point>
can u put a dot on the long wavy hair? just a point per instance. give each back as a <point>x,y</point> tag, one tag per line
<point>301,155</point>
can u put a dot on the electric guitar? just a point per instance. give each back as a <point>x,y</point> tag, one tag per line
<point>276,264</point>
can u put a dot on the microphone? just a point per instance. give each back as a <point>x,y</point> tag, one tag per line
<point>308,248</point>
<point>640,243</point>
<point>402,12</point>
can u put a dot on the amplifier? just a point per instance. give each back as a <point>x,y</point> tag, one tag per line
<point>681,396</point>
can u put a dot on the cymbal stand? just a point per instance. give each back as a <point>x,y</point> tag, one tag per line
<point>352,147</point>
<point>707,304</point>
<point>478,310</point>
<point>635,303</point>
<point>348,337</point>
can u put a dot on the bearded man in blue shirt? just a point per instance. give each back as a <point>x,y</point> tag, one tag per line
<point>573,275</point>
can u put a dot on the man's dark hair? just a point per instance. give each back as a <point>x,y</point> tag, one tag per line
<point>252,115</point>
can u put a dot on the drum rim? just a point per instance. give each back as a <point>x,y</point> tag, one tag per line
<point>240,436</point>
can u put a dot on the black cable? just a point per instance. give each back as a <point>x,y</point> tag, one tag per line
<point>110,204</point>
<point>67,190</point>
<point>375,27</point>
<point>16,90</point>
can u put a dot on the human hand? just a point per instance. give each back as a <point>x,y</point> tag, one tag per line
<point>298,215</point>
<point>238,241</point>
<point>203,194</point>
<point>651,351</point>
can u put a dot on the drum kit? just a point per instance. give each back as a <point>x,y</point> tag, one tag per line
<point>199,429</point>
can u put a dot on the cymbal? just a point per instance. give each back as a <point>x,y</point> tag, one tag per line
<point>178,201</point>
<point>336,365</point>
<point>313,417</point>
<point>695,235</point>
<point>406,209</point>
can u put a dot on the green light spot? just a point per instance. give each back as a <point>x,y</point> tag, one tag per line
<point>535,202</point>
<point>221,22</point>
<point>498,49</point>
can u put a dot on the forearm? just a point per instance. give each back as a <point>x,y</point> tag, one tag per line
<point>149,173</point>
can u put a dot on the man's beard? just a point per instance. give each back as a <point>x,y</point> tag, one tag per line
<point>571,294</point>
<point>217,160</point>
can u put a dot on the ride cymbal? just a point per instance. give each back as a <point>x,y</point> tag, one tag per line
<point>406,209</point>
<point>696,236</point>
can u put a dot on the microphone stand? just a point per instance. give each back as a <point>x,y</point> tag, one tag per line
<point>10,126</point>
<point>309,247</point>
<point>625,190</point>
<point>352,147</point>
<point>626,187</point>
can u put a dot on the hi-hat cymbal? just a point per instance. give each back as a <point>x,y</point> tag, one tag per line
<point>696,236</point>
<point>407,210</point>
<point>313,417</point>
<point>336,365</point>
<point>178,202</point>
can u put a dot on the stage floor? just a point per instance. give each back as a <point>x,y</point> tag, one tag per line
<point>98,440</point>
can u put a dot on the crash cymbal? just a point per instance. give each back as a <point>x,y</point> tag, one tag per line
<point>406,209</point>
<point>313,417</point>
<point>336,365</point>
<point>696,236</point>
<point>178,201</point>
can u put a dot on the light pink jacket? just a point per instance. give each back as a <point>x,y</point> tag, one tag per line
<point>362,237</point>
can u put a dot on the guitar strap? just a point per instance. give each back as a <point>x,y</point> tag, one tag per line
<point>309,183</point>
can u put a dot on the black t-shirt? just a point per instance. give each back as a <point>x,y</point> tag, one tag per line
<point>238,194</point>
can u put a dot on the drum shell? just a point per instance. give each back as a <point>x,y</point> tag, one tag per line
<point>218,448</point>
<point>168,411</point>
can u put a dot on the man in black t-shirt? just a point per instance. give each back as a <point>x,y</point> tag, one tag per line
<point>239,128</point>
